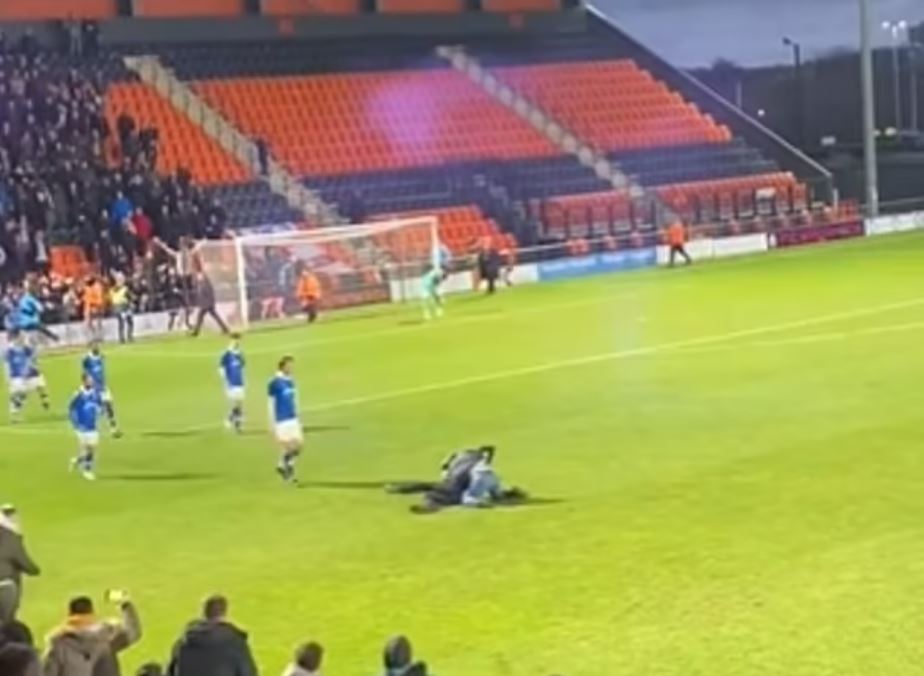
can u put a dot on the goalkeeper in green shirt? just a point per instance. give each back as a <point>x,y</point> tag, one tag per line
<point>430,293</point>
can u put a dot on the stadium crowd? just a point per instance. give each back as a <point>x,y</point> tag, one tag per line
<point>85,644</point>
<point>68,178</point>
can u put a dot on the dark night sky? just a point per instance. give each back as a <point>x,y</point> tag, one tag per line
<point>696,32</point>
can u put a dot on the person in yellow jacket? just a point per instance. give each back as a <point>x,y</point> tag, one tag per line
<point>121,302</point>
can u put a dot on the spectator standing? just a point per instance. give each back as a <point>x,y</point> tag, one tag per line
<point>94,306</point>
<point>144,230</point>
<point>120,298</point>
<point>14,563</point>
<point>212,646</point>
<point>84,645</point>
<point>307,662</point>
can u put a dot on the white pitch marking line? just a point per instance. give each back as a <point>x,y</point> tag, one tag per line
<point>616,355</point>
<point>449,322</point>
<point>676,346</point>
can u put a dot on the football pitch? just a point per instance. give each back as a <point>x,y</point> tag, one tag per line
<point>727,462</point>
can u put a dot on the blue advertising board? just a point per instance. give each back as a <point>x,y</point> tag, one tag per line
<point>596,264</point>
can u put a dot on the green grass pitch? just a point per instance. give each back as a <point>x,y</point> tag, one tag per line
<point>732,457</point>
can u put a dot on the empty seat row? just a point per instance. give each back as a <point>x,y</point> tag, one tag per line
<point>374,121</point>
<point>613,105</point>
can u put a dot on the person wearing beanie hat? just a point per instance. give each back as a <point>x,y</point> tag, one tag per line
<point>399,659</point>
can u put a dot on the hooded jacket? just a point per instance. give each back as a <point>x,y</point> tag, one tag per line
<point>14,559</point>
<point>212,649</point>
<point>85,646</point>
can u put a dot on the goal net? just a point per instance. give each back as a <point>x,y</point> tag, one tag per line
<point>256,276</point>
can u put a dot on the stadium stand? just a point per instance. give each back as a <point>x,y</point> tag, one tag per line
<point>339,124</point>
<point>386,127</point>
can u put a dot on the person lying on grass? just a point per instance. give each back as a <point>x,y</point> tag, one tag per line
<point>468,479</point>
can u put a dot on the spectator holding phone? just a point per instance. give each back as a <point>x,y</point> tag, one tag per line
<point>84,644</point>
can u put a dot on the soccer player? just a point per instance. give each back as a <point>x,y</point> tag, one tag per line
<point>283,408</point>
<point>94,367</point>
<point>432,300</point>
<point>231,369</point>
<point>83,413</point>
<point>18,359</point>
<point>35,379</point>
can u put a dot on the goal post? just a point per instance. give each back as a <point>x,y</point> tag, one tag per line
<point>255,276</point>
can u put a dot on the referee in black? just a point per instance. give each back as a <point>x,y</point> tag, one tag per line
<point>205,302</point>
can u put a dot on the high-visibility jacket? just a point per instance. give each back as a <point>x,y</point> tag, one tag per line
<point>309,288</point>
<point>676,235</point>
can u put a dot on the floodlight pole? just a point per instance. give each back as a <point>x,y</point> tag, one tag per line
<point>869,113</point>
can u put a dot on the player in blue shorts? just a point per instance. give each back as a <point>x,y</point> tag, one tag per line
<point>94,367</point>
<point>430,293</point>
<point>18,360</point>
<point>231,369</point>
<point>83,413</point>
<point>283,409</point>
<point>35,380</point>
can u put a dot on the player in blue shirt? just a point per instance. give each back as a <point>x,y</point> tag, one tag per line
<point>83,414</point>
<point>430,293</point>
<point>283,409</point>
<point>29,315</point>
<point>231,369</point>
<point>18,360</point>
<point>94,367</point>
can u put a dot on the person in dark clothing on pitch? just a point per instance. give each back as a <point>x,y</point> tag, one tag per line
<point>468,479</point>
<point>205,301</point>
<point>212,646</point>
<point>489,266</point>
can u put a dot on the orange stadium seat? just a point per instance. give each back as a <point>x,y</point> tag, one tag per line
<point>587,212</point>
<point>460,228</point>
<point>338,124</point>
<point>614,105</point>
<point>69,262</point>
<point>182,142</point>
<point>305,7</point>
<point>32,10</point>
<point>420,6</point>
<point>179,8</point>
<point>521,5</point>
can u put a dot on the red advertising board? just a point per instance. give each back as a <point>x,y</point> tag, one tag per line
<point>818,233</point>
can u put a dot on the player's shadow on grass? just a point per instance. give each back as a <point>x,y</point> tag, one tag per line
<point>174,434</point>
<point>153,477</point>
<point>345,485</point>
<point>532,502</point>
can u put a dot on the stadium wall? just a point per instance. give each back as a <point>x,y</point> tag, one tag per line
<point>886,225</point>
<point>126,32</point>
